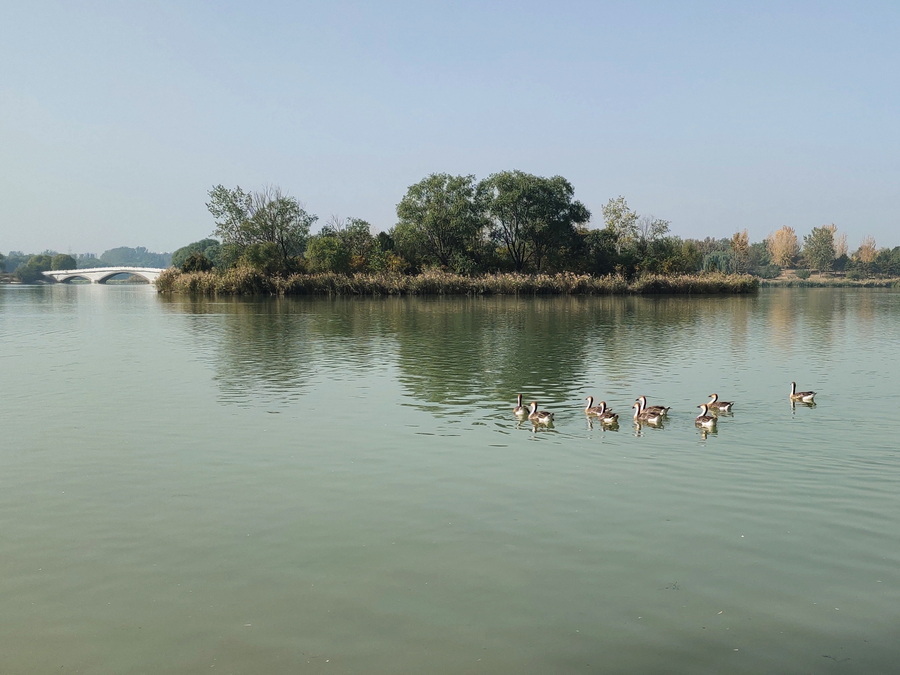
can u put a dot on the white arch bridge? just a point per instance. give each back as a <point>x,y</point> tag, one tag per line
<point>99,275</point>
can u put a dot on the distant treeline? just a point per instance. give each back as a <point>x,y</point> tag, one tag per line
<point>28,267</point>
<point>510,223</point>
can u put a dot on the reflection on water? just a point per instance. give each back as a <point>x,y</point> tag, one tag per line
<point>453,354</point>
<point>268,351</point>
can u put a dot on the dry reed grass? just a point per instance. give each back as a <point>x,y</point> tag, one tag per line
<point>246,281</point>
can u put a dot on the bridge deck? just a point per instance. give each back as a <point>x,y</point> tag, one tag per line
<point>98,275</point>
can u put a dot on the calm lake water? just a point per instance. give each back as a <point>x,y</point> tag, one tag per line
<point>339,486</point>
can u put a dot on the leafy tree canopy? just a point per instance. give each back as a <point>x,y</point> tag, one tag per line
<point>531,214</point>
<point>210,249</point>
<point>355,236</point>
<point>245,219</point>
<point>31,271</point>
<point>196,262</point>
<point>63,261</point>
<point>328,253</point>
<point>440,218</point>
<point>818,248</point>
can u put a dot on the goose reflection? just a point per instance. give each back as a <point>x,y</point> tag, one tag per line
<point>640,427</point>
<point>612,425</point>
<point>706,432</point>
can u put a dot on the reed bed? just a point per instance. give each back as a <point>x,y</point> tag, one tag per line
<point>695,284</point>
<point>245,281</point>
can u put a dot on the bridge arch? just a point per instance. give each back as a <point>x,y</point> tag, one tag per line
<point>115,273</point>
<point>73,277</point>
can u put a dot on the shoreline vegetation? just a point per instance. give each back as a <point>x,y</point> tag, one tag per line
<point>247,281</point>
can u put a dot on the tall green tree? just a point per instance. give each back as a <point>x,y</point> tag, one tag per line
<point>761,263</point>
<point>31,271</point>
<point>196,262</point>
<point>267,217</point>
<point>326,252</point>
<point>818,248</point>
<point>63,261</point>
<point>717,261</point>
<point>355,235</point>
<point>441,219</point>
<point>16,259</point>
<point>887,261</point>
<point>531,215</point>
<point>597,252</point>
<point>209,249</point>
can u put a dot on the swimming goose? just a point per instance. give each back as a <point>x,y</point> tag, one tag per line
<point>647,416</point>
<point>704,419</point>
<point>520,410</point>
<point>592,409</point>
<point>802,396</point>
<point>539,416</point>
<point>715,404</point>
<point>606,416</point>
<point>660,409</point>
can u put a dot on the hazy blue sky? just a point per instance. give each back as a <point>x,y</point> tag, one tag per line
<point>116,118</point>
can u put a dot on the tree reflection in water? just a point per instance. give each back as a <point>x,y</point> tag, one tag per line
<point>469,357</point>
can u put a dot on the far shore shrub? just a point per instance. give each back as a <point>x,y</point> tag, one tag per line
<point>768,271</point>
<point>196,262</point>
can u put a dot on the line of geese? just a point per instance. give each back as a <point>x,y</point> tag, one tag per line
<point>647,414</point>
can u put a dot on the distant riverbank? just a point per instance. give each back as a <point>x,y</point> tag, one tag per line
<point>244,281</point>
<point>828,281</point>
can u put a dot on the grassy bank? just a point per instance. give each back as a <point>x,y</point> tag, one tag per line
<point>830,282</point>
<point>244,281</point>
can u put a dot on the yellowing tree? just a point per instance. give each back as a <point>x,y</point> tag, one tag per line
<point>783,246</point>
<point>840,240</point>
<point>740,252</point>
<point>866,252</point>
